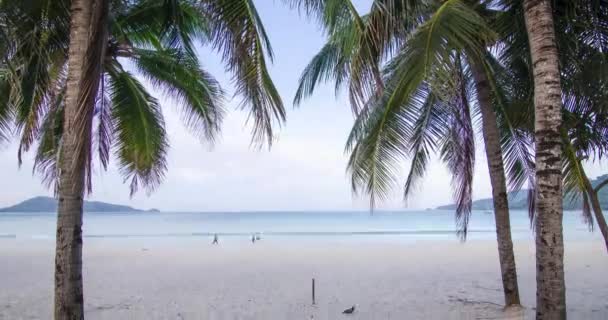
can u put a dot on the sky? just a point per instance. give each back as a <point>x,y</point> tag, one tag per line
<point>304,170</point>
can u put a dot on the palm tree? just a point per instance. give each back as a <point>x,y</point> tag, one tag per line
<point>551,287</point>
<point>425,106</point>
<point>582,128</point>
<point>85,21</point>
<point>583,45</point>
<point>74,95</point>
<point>494,156</point>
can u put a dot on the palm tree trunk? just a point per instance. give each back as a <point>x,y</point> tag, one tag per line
<point>499,186</point>
<point>597,210</point>
<point>550,283</point>
<point>69,298</point>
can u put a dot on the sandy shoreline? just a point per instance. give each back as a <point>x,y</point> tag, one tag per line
<point>127,279</point>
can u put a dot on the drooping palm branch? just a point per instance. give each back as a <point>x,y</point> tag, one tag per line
<point>425,109</point>
<point>236,31</point>
<point>156,39</point>
<point>357,45</point>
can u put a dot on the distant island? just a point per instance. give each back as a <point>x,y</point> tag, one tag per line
<point>47,204</point>
<point>519,200</point>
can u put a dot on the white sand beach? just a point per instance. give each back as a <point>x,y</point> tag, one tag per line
<point>127,279</point>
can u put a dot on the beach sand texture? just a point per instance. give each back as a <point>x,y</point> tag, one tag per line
<point>272,280</point>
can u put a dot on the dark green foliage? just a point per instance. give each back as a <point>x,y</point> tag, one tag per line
<point>138,124</point>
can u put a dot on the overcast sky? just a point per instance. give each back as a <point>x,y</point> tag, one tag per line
<point>305,170</point>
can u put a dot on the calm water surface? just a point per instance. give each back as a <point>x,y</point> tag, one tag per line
<point>433,224</point>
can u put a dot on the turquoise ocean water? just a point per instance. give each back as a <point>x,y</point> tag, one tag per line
<point>385,225</point>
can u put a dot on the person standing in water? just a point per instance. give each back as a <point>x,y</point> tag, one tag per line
<point>215,240</point>
<point>253,238</point>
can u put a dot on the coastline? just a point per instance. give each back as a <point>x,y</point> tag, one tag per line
<point>191,279</point>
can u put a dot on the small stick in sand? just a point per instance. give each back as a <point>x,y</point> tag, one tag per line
<point>313,291</point>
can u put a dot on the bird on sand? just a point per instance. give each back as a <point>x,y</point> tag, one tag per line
<point>350,310</point>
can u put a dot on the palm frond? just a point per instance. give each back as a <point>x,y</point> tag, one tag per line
<point>180,77</point>
<point>104,134</point>
<point>49,143</point>
<point>174,24</point>
<point>328,64</point>
<point>458,150</point>
<point>330,14</point>
<point>6,110</point>
<point>141,140</point>
<point>575,179</point>
<point>355,48</point>
<point>381,135</point>
<point>35,81</point>
<point>34,34</point>
<point>238,34</point>
<point>427,131</point>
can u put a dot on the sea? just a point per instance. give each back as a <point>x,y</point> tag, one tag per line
<point>408,225</point>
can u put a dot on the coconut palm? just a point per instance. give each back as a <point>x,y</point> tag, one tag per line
<point>551,288</point>
<point>511,99</point>
<point>438,63</point>
<point>583,42</point>
<point>544,58</point>
<point>66,79</point>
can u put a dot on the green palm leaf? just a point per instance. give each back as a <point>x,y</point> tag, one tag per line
<point>5,107</point>
<point>33,34</point>
<point>176,24</point>
<point>329,64</point>
<point>354,51</point>
<point>387,130</point>
<point>428,129</point>
<point>238,34</point>
<point>180,77</point>
<point>458,149</point>
<point>141,141</point>
<point>104,134</point>
<point>575,180</point>
<point>331,14</point>
<point>49,144</point>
